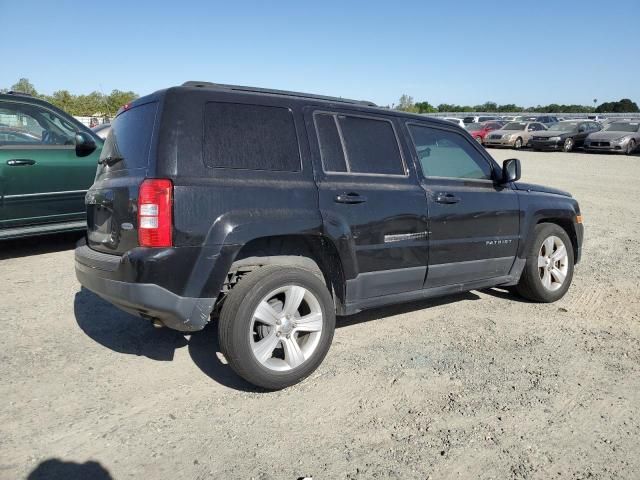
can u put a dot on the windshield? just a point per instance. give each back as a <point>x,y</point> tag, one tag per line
<point>474,127</point>
<point>514,126</point>
<point>623,127</point>
<point>564,127</point>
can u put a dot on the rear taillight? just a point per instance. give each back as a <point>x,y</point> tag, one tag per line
<point>155,199</point>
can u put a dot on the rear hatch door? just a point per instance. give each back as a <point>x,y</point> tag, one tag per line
<point>112,224</point>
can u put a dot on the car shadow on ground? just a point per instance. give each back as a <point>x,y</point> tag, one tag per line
<point>503,293</point>
<point>55,469</point>
<point>25,247</point>
<point>127,334</point>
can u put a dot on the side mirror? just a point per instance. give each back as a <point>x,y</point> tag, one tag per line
<point>85,144</point>
<point>511,170</point>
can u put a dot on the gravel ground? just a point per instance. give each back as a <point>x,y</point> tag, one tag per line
<point>481,385</point>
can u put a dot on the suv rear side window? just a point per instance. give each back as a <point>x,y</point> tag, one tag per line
<point>448,154</point>
<point>354,144</point>
<point>129,139</point>
<point>250,137</point>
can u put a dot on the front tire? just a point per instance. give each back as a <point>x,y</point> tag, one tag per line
<point>548,272</point>
<point>568,145</point>
<point>517,144</point>
<point>631,146</point>
<point>276,326</point>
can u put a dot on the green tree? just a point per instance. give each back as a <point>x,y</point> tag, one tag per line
<point>24,86</point>
<point>487,107</point>
<point>445,107</point>
<point>63,100</point>
<point>425,107</point>
<point>117,99</point>
<point>509,107</point>
<point>622,106</point>
<point>92,104</point>
<point>406,104</point>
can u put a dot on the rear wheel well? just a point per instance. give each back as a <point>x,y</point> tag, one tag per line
<point>567,226</point>
<point>310,252</point>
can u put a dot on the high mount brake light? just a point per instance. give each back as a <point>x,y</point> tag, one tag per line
<point>155,217</point>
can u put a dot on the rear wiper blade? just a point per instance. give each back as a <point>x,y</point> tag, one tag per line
<point>110,160</point>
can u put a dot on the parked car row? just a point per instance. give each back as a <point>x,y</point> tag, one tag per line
<point>621,136</point>
<point>463,122</point>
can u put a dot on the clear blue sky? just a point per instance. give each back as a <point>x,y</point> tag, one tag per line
<point>454,51</point>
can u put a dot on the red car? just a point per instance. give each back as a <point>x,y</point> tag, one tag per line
<point>479,130</point>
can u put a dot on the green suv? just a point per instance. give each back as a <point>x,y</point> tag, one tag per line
<point>47,163</point>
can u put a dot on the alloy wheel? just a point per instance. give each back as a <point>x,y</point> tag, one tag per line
<point>286,328</point>
<point>568,145</point>
<point>553,263</point>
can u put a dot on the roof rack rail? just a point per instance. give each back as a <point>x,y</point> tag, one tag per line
<point>221,86</point>
<point>24,94</point>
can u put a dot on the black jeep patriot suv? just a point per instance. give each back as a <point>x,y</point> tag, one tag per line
<point>283,209</point>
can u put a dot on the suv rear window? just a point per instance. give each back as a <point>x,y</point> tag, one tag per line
<point>129,139</point>
<point>250,137</point>
<point>370,145</point>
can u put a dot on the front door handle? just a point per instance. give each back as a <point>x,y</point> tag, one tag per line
<point>17,162</point>
<point>447,198</point>
<point>350,198</point>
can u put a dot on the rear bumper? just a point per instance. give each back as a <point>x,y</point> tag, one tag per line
<point>110,277</point>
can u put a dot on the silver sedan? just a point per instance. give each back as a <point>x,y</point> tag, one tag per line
<point>621,137</point>
<point>513,134</point>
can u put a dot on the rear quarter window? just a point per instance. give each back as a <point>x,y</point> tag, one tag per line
<point>250,137</point>
<point>358,145</point>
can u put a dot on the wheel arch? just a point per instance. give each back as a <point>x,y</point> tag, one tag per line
<point>316,253</point>
<point>568,226</point>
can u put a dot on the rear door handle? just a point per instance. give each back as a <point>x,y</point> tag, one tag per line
<point>350,198</point>
<point>447,198</point>
<point>17,162</point>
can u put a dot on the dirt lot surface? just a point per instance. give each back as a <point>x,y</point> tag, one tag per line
<point>481,385</point>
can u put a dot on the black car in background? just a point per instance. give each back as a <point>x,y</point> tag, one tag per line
<point>565,135</point>
<point>548,120</point>
<point>480,119</point>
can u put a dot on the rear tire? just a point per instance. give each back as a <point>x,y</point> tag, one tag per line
<point>548,272</point>
<point>276,326</point>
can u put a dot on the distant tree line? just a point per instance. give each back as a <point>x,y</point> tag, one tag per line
<point>95,103</point>
<point>406,104</point>
<point>100,103</point>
